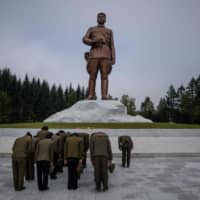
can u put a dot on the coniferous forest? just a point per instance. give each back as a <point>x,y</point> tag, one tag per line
<point>33,100</point>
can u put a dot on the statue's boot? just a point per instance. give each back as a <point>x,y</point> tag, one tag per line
<point>104,89</point>
<point>91,89</point>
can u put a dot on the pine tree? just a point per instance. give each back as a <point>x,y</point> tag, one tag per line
<point>43,103</point>
<point>26,95</point>
<point>129,103</point>
<point>53,100</point>
<point>66,96</point>
<point>173,103</point>
<point>60,99</point>
<point>72,98</point>
<point>147,108</point>
<point>16,114</point>
<point>83,93</point>
<point>162,114</point>
<point>78,93</point>
<point>5,107</point>
<point>196,113</point>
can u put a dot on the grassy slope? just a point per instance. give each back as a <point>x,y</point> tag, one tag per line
<point>102,125</point>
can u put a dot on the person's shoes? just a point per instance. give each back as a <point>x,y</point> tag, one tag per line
<point>90,97</point>
<point>42,189</point>
<point>20,189</point>
<point>60,170</point>
<point>123,165</point>
<point>23,188</point>
<point>98,189</point>
<point>112,168</point>
<point>53,177</point>
<point>104,98</point>
<point>69,188</point>
<point>105,189</point>
<point>47,188</point>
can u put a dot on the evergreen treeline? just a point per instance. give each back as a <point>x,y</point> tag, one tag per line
<point>181,105</point>
<point>33,100</point>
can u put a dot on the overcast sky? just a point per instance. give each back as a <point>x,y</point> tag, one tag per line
<point>157,42</point>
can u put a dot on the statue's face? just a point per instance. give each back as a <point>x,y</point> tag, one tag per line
<point>101,19</point>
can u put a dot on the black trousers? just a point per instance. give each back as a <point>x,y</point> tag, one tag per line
<point>42,174</point>
<point>72,173</point>
<point>84,159</point>
<point>126,155</point>
<point>61,162</point>
<point>30,171</point>
<point>55,164</point>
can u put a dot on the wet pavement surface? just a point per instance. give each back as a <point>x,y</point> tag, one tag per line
<point>176,178</point>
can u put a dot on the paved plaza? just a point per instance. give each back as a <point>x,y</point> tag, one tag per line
<point>156,178</point>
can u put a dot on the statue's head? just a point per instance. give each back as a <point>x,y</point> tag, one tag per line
<point>101,18</point>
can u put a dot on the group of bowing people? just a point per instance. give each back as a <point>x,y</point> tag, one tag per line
<point>51,152</point>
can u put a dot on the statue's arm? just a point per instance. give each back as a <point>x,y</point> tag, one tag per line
<point>87,39</point>
<point>112,47</point>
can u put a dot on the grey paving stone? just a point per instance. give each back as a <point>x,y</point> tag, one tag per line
<point>146,179</point>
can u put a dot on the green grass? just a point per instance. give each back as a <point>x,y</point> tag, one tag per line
<point>103,125</point>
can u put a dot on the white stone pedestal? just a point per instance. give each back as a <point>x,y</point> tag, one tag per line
<point>96,111</point>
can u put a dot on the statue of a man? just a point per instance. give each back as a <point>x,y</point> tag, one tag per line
<point>101,56</point>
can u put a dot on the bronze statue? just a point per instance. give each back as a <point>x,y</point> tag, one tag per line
<point>101,56</point>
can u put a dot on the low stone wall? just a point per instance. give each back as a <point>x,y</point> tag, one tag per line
<point>161,145</point>
<point>6,144</point>
<point>153,144</point>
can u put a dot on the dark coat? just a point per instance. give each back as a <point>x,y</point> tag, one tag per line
<point>73,147</point>
<point>122,140</point>
<point>100,146</point>
<point>22,147</point>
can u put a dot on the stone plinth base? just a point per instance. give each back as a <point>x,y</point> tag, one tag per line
<point>96,111</point>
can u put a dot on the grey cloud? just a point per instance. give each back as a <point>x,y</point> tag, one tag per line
<point>157,42</point>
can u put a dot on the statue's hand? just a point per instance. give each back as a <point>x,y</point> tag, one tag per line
<point>99,41</point>
<point>102,41</point>
<point>112,62</point>
<point>96,40</point>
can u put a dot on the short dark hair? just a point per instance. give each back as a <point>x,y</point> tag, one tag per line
<point>49,135</point>
<point>28,134</point>
<point>45,128</point>
<point>74,134</point>
<point>101,13</point>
